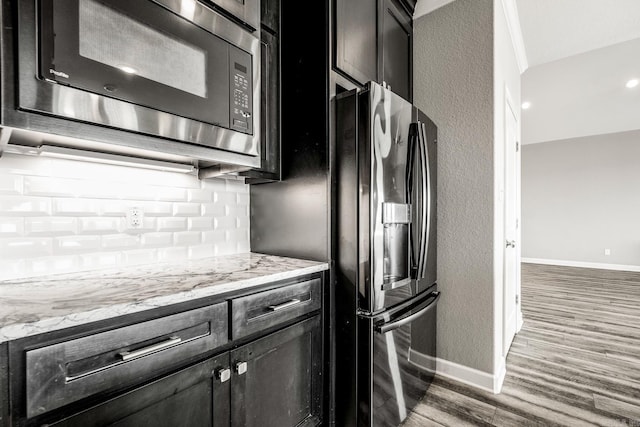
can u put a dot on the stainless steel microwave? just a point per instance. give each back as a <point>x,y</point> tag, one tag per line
<point>173,79</point>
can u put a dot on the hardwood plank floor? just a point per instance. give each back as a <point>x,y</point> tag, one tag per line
<point>576,361</point>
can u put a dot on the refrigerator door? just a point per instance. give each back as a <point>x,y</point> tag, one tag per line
<point>423,198</point>
<point>385,211</point>
<point>394,384</point>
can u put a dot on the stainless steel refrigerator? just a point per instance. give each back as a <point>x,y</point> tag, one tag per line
<point>385,256</point>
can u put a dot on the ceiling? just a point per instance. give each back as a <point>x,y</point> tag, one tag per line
<point>556,29</point>
<point>580,54</point>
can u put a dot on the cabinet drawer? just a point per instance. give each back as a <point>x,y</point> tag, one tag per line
<point>62,373</point>
<point>263,310</point>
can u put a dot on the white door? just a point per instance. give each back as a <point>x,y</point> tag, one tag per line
<point>511,298</point>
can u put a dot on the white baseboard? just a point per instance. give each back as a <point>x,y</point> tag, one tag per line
<point>600,266</point>
<point>461,373</point>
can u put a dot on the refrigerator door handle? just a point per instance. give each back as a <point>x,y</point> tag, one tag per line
<point>426,199</point>
<point>410,315</point>
<point>411,153</point>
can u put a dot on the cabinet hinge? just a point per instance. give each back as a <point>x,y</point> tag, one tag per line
<point>517,299</point>
<point>517,146</point>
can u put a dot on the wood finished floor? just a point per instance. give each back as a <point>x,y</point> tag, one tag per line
<point>576,361</point>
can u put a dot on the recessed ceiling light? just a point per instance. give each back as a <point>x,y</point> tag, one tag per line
<point>526,105</point>
<point>632,83</point>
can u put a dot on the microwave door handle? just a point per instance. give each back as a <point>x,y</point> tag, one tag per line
<point>411,155</point>
<point>425,193</point>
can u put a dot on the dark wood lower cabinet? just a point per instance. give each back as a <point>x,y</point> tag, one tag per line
<point>282,384</point>
<point>188,398</point>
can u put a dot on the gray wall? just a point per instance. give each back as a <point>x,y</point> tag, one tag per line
<point>453,84</point>
<point>580,196</point>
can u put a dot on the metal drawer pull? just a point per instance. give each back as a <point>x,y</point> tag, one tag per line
<point>284,305</point>
<point>241,368</point>
<point>223,374</point>
<point>126,355</point>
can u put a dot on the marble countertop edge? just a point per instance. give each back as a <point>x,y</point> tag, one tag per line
<point>53,323</point>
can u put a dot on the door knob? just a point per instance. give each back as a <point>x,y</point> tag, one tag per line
<point>511,243</point>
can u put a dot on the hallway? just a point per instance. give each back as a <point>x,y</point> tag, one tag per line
<point>576,361</point>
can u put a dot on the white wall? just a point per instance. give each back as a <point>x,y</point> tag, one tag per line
<point>453,85</point>
<point>62,216</point>
<point>464,65</point>
<point>506,86</point>
<point>580,196</point>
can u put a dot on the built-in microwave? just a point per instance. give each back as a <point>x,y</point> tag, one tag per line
<point>178,77</point>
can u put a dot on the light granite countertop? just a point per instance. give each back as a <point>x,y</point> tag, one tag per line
<point>43,304</point>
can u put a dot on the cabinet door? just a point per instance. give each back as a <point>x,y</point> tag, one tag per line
<point>277,378</point>
<point>397,45</point>
<point>269,108</point>
<point>356,39</point>
<point>196,396</point>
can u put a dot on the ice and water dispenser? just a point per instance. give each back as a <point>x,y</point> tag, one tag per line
<point>396,218</point>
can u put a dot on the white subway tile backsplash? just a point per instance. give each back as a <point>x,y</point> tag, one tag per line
<point>223,198</point>
<point>225,248</point>
<point>11,184</point>
<point>140,256</point>
<point>224,223</point>
<point>186,209</point>
<point>76,244</point>
<point>120,241</point>
<point>202,196</point>
<point>216,184</point>
<point>242,199</point>
<point>236,186</point>
<point>100,260</point>
<point>156,208</point>
<point>76,207</point>
<point>11,269</point>
<point>186,238</point>
<point>201,251</point>
<point>51,187</point>
<point>100,225</point>
<point>171,194</point>
<point>18,247</point>
<point>50,226</point>
<point>157,239</point>
<point>10,227</point>
<point>200,223</point>
<point>61,216</point>
<point>212,210</point>
<point>172,224</point>
<point>52,265</point>
<point>212,237</point>
<point>173,254</point>
<point>242,221</point>
<point>25,206</point>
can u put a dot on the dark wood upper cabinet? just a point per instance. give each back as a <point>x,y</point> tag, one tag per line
<point>270,96</point>
<point>356,36</point>
<point>374,41</point>
<point>397,45</point>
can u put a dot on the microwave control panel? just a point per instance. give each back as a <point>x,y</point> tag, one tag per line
<point>240,78</point>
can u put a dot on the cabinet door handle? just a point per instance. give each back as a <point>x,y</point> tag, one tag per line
<point>223,374</point>
<point>284,305</point>
<point>241,368</point>
<point>126,355</point>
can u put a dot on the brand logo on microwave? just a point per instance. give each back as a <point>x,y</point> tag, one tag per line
<point>58,73</point>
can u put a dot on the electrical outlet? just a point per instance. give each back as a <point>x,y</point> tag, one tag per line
<point>607,251</point>
<point>135,217</point>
